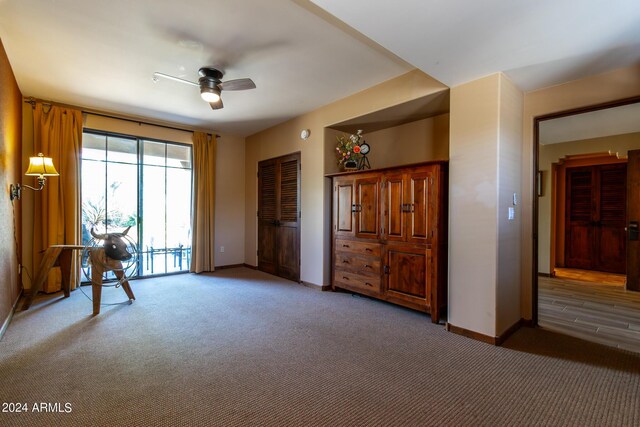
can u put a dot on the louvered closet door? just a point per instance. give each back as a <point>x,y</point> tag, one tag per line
<point>279,216</point>
<point>595,218</point>
<point>288,245</point>
<point>267,216</point>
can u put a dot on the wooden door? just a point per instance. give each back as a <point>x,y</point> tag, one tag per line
<point>343,207</point>
<point>595,217</point>
<point>633,221</point>
<point>407,273</point>
<point>366,207</point>
<point>267,216</point>
<point>394,207</point>
<point>418,186</point>
<point>279,216</point>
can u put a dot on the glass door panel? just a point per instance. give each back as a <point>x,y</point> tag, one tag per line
<point>154,207</point>
<point>144,184</point>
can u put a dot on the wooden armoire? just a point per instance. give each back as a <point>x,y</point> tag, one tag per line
<point>390,235</point>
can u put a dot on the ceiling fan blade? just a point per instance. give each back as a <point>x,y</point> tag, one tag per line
<point>237,84</point>
<point>177,79</point>
<point>216,105</point>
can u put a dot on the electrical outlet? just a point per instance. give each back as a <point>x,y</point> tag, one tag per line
<point>221,248</point>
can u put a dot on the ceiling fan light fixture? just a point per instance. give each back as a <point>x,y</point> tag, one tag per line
<point>210,94</point>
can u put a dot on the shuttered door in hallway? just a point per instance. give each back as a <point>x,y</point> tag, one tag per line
<point>279,216</point>
<point>595,222</point>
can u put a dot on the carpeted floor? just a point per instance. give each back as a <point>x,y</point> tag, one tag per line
<point>242,348</point>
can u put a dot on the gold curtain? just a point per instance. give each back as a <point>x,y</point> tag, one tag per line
<point>57,133</point>
<point>204,196</point>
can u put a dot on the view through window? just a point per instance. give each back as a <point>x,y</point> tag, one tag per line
<point>143,184</point>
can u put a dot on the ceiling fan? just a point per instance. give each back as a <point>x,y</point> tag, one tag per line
<point>211,84</point>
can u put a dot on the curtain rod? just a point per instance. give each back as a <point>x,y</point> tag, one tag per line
<point>33,101</point>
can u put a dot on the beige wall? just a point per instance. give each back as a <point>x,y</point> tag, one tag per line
<point>614,85</point>
<point>509,182</point>
<point>473,204</point>
<point>230,201</point>
<point>484,169</point>
<point>316,154</point>
<point>552,153</point>
<point>10,173</point>
<point>413,142</point>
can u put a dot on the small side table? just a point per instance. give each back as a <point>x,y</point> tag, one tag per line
<point>54,256</point>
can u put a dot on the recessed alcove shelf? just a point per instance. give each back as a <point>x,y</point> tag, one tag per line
<point>409,132</point>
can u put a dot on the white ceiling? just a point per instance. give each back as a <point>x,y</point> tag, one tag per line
<point>536,43</point>
<point>594,124</point>
<point>102,55</point>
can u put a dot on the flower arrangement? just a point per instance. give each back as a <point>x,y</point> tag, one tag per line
<point>348,149</point>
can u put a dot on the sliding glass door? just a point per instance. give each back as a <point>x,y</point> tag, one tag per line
<point>142,184</point>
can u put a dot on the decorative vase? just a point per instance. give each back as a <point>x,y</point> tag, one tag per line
<point>350,165</point>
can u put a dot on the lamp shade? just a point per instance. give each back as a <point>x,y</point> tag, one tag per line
<point>41,166</point>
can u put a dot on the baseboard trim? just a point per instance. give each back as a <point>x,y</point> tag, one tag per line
<point>253,267</point>
<point>499,340</point>
<point>470,334</point>
<point>7,321</point>
<point>544,275</point>
<point>224,267</point>
<point>315,286</point>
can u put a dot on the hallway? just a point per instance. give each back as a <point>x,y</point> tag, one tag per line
<point>602,313</point>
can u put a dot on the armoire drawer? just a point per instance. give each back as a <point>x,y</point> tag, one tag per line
<point>356,282</point>
<point>362,248</point>
<point>357,263</point>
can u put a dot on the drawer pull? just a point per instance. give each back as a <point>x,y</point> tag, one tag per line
<point>367,266</point>
<point>345,277</point>
<point>345,246</point>
<point>344,261</point>
<point>368,284</point>
<point>368,249</point>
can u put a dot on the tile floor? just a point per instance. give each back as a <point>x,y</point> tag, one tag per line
<point>603,313</point>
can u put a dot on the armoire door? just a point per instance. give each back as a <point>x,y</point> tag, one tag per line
<point>366,207</point>
<point>595,218</point>
<point>418,202</point>
<point>279,216</point>
<point>344,207</point>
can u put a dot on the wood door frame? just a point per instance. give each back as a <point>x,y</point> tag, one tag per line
<point>558,198</point>
<point>534,183</point>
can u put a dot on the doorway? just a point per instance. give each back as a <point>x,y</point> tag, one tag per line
<point>582,222</point>
<point>279,216</point>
